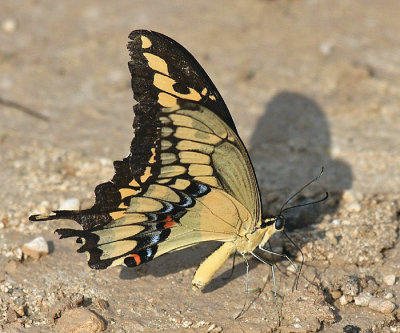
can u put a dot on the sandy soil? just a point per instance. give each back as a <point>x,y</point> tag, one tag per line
<point>308,83</point>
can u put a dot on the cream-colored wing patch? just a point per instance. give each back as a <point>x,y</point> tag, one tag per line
<point>165,83</point>
<point>181,184</point>
<point>166,100</point>
<point>129,218</point>
<point>194,157</point>
<point>110,235</point>
<point>195,146</point>
<point>146,43</point>
<point>186,133</point>
<point>172,171</point>
<point>200,170</point>
<point>116,249</point>
<point>168,158</point>
<point>156,63</point>
<point>162,192</point>
<point>142,205</point>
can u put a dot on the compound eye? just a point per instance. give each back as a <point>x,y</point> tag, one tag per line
<point>279,223</point>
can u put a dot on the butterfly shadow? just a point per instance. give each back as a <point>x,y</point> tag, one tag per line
<point>188,258</point>
<point>290,144</point>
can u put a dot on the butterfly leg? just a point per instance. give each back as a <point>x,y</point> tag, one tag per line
<point>212,264</point>
<point>280,255</point>
<point>272,270</point>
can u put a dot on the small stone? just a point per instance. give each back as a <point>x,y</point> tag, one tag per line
<point>389,296</point>
<point>79,320</point>
<point>211,327</point>
<point>381,305</point>
<point>390,279</point>
<point>348,196</point>
<point>363,299</point>
<point>20,310</point>
<point>70,204</point>
<point>354,207</point>
<point>9,25</point>
<point>66,303</point>
<point>372,287</point>
<point>11,315</point>
<point>199,324</point>
<point>326,47</point>
<point>345,299</point>
<point>101,303</point>
<point>336,294</point>
<point>36,248</point>
<point>292,269</point>
<point>297,325</point>
<point>187,323</point>
<point>351,287</point>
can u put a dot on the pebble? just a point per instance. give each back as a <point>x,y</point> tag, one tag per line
<point>389,296</point>
<point>326,48</point>
<point>381,305</point>
<point>102,304</point>
<point>336,294</point>
<point>390,279</point>
<point>79,320</point>
<point>292,269</point>
<point>345,299</point>
<point>36,248</point>
<point>351,287</point>
<point>348,196</point>
<point>354,207</point>
<point>214,329</point>
<point>11,315</point>
<point>363,299</point>
<point>9,25</point>
<point>70,204</point>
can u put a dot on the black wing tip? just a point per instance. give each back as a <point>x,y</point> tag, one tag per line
<point>143,32</point>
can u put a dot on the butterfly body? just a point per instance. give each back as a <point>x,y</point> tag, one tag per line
<point>188,178</point>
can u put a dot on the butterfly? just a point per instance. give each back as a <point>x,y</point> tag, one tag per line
<point>188,178</point>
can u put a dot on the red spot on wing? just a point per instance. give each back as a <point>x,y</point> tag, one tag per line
<point>136,257</point>
<point>169,224</point>
<point>168,218</point>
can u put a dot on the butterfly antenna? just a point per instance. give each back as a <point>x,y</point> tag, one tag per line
<point>283,209</point>
<point>302,260</point>
<point>308,203</point>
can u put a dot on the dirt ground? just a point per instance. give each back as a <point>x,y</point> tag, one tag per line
<point>308,83</point>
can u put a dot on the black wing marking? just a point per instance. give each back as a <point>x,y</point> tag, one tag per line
<point>176,63</point>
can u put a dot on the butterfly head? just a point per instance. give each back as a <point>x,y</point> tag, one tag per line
<point>276,222</point>
<point>270,225</point>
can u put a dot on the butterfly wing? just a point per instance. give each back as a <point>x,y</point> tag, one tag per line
<point>188,178</point>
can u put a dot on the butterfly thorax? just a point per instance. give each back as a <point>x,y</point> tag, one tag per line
<point>259,236</point>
